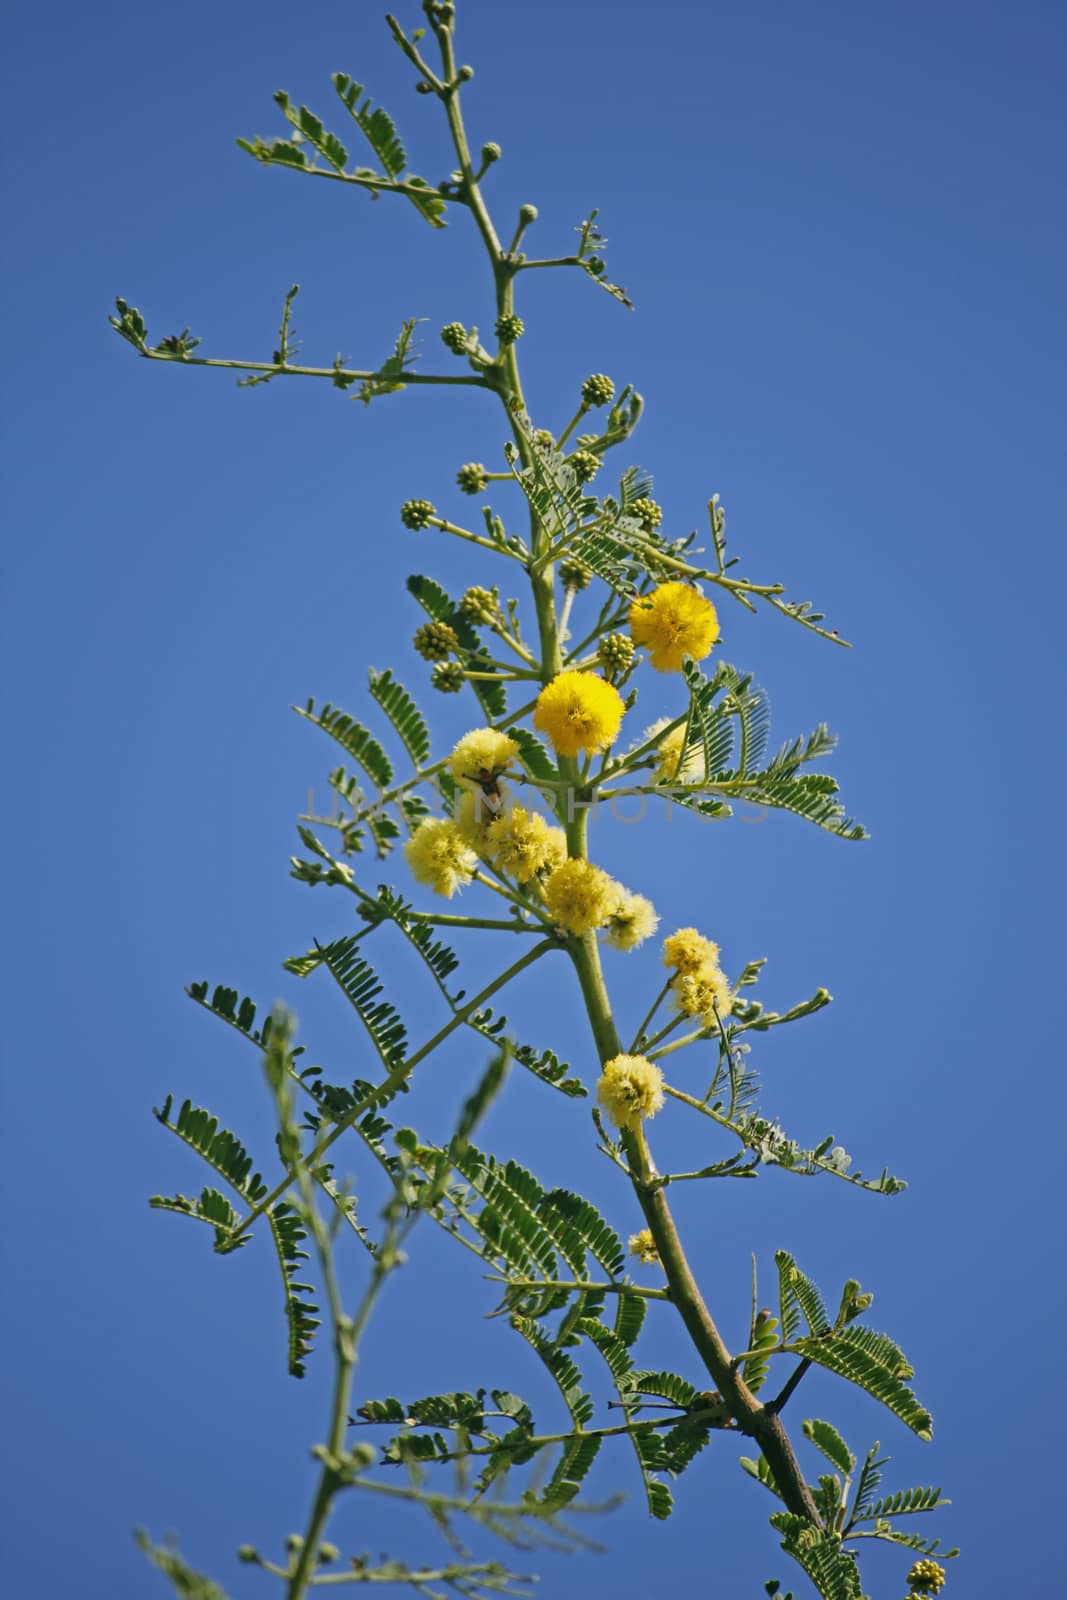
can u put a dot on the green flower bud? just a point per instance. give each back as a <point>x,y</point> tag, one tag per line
<point>598,389</point>
<point>927,1577</point>
<point>480,605</point>
<point>435,641</point>
<point>574,574</point>
<point>328,1553</point>
<point>527,214</point>
<point>586,441</point>
<point>509,327</point>
<point>584,464</point>
<point>543,438</point>
<point>417,513</point>
<point>454,335</point>
<point>248,1554</point>
<point>294,1542</point>
<point>448,677</point>
<point>465,74</point>
<point>615,653</point>
<point>491,152</point>
<point>647,512</point>
<point>472,478</point>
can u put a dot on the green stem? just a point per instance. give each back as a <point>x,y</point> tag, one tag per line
<point>460,1017</point>
<point>347,373</point>
<point>657,1002</point>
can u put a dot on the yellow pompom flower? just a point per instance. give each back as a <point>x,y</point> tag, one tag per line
<point>630,1088</point>
<point>633,920</point>
<point>687,951</point>
<point>579,896</point>
<point>670,768</point>
<point>522,844</point>
<point>675,620</point>
<point>705,994</point>
<point>579,711</point>
<point>643,1247</point>
<point>481,756</point>
<point>439,858</point>
<point>474,817</point>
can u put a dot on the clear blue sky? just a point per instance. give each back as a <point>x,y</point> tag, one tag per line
<point>843,229</point>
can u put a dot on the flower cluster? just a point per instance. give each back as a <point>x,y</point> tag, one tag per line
<point>642,1247</point>
<point>481,756</point>
<point>417,513</point>
<point>630,1088</point>
<point>699,986</point>
<point>448,677</point>
<point>633,919</point>
<point>927,1577</point>
<point>481,605</point>
<point>585,465</point>
<point>439,858</point>
<point>435,641</point>
<point>454,335</point>
<point>670,750</point>
<point>674,621</point>
<point>598,390</point>
<point>580,896</point>
<point>615,653</point>
<point>574,574</point>
<point>509,327</point>
<point>472,477</point>
<point>579,712</point>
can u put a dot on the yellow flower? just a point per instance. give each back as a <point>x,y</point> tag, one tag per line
<point>670,768</point>
<point>522,843</point>
<point>633,920</point>
<point>687,951</point>
<point>675,620</point>
<point>579,896</point>
<point>579,711</point>
<point>475,814</point>
<point>481,756</point>
<point>705,994</point>
<point>630,1088</point>
<point>643,1246</point>
<point>439,858</point>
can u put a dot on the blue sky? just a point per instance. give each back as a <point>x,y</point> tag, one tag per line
<point>843,230</point>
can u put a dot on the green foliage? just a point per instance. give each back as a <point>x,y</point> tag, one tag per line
<point>354,739</point>
<point>858,1354</point>
<point>188,1584</point>
<point>732,732</point>
<point>827,1439</point>
<point>559,1264</point>
<point>362,987</point>
<point>288,1234</point>
<point>403,713</point>
<point>832,1570</point>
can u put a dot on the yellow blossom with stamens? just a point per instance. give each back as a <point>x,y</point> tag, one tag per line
<point>643,1246</point>
<point>475,815</point>
<point>633,920</point>
<point>481,756</point>
<point>687,951</point>
<point>670,768</point>
<point>630,1088</point>
<point>579,896</point>
<point>439,858</point>
<point>521,843</point>
<point>579,712</point>
<point>675,620</point>
<point>705,994</point>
